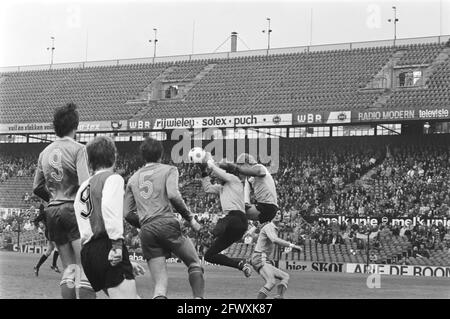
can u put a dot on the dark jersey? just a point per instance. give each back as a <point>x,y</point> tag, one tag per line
<point>152,191</point>
<point>61,168</point>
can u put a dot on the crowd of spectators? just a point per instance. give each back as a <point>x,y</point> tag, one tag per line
<point>18,165</point>
<point>402,179</point>
<point>413,180</point>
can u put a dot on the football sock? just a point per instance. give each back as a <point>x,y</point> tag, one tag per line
<point>263,293</point>
<point>55,258</point>
<point>281,289</point>
<point>41,260</point>
<point>196,280</point>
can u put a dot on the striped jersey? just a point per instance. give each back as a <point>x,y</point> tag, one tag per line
<point>62,167</point>
<point>266,237</point>
<point>152,191</point>
<point>264,188</point>
<point>99,207</point>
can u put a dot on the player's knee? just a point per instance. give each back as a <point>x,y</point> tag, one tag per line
<point>86,291</point>
<point>195,268</point>
<point>208,255</point>
<point>285,280</point>
<point>270,284</point>
<point>68,291</point>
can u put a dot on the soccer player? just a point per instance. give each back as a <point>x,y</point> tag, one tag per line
<point>264,246</point>
<point>61,168</point>
<point>153,191</point>
<point>99,212</point>
<point>266,205</point>
<point>50,245</point>
<point>232,227</point>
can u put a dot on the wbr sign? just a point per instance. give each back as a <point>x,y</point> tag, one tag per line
<point>338,117</point>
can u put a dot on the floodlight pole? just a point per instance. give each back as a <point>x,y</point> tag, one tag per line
<point>52,48</point>
<point>268,31</point>
<point>155,41</point>
<point>395,20</point>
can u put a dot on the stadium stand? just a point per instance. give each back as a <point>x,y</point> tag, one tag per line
<point>256,84</point>
<point>393,176</point>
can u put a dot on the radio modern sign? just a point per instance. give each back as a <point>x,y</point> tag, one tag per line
<point>400,115</point>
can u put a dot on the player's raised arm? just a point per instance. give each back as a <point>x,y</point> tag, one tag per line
<point>39,188</point>
<point>112,209</point>
<point>129,206</point>
<point>209,187</point>
<point>247,166</point>
<point>256,170</point>
<point>272,235</point>
<point>220,173</point>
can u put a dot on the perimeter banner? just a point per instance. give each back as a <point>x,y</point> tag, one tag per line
<point>369,116</point>
<point>300,266</point>
<point>373,221</point>
<point>211,122</point>
<point>84,126</point>
<point>399,270</point>
<point>400,115</point>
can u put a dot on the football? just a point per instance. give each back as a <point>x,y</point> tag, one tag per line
<point>196,155</point>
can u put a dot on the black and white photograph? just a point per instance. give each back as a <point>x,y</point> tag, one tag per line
<point>240,151</point>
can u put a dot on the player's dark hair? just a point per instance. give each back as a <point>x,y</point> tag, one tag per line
<point>65,119</point>
<point>101,152</point>
<point>151,150</point>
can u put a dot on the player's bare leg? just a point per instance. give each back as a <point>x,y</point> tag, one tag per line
<point>71,261</point>
<point>213,255</point>
<point>68,279</point>
<point>125,290</point>
<point>268,274</point>
<point>283,284</point>
<point>187,253</point>
<point>50,248</point>
<point>85,290</point>
<point>158,270</point>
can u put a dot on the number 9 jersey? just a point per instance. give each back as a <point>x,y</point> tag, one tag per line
<point>62,167</point>
<point>99,207</point>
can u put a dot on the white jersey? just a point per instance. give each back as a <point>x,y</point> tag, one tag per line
<point>264,188</point>
<point>99,207</point>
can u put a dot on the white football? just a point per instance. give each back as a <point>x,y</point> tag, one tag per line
<point>196,155</point>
